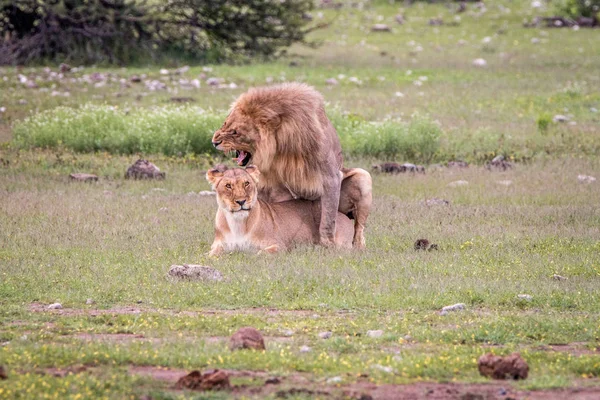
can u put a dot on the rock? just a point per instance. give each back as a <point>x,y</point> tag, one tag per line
<point>23,102</point>
<point>64,68</point>
<point>479,62</point>
<point>334,380</point>
<point>272,381</point>
<point>195,273</point>
<point>400,19</point>
<point>504,183</point>
<point>143,169</point>
<point>458,183</point>
<point>458,164</point>
<point>246,338</point>
<point>164,71</point>
<point>81,177</point>
<point>395,168</point>
<point>135,79</point>
<point>195,380</point>
<point>436,22</point>
<point>526,297</point>
<point>213,81</point>
<point>305,349</point>
<point>455,307</point>
<point>560,118</point>
<point>408,338</point>
<point>421,244</point>
<point>388,370</point>
<point>557,277</point>
<point>325,335</point>
<point>89,302</point>
<point>331,81</point>
<point>380,28</point>
<point>207,193</point>
<point>436,202</point>
<point>375,333</point>
<point>585,179</point>
<point>55,306</point>
<point>499,162</point>
<point>288,332</point>
<point>509,367</point>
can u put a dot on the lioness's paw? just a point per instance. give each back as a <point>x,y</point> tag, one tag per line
<point>270,249</point>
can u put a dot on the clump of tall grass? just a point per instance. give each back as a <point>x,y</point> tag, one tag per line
<point>179,130</point>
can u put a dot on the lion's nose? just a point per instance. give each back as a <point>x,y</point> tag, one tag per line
<point>241,202</point>
<point>217,143</point>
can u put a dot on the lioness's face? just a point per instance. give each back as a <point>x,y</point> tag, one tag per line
<point>239,134</point>
<point>236,188</point>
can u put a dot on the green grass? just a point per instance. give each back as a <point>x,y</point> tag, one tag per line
<point>113,241</point>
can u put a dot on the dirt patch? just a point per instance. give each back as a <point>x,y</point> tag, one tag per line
<point>109,337</point>
<point>39,307</point>
<point>62,372</point>
<point>575,348</point>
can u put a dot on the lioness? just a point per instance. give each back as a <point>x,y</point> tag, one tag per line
<point>284,131</point>
<point>244,222</point>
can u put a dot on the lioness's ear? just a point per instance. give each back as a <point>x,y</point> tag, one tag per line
<point>253,172</point>
<point>213,175</point>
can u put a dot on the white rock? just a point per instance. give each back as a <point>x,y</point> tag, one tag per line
<point>399,94</point>
<point>593,109</point>
<point>527,297</point>
<point>305,349</point>
<point>585,179</point>
<point>423,78</point>
<point>486,39</point>
<point>207,193</point>
<point>536,4</point>
<point>375,333</point>
<point>2,109</point>
<point>288,332</point>
<point>382,368</point>
<point>560,118</point>
<point>479,62</point>
<point>195,272</point>
<point>325,335</point>
<point>89,301</point>
<point>380,28</point>
<point>535,40</point>
<point>164,71</point>
<point>458,183</point>
<point>557,277</point>
<point>335,379</point>
<point>504,183</point>
<point>213,81</point>
<point>455,307</point>
<point>55,306</point>
<point>331,81</point>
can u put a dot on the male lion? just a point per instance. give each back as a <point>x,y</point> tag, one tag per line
<point>245,222</point>
<point>284,131</point>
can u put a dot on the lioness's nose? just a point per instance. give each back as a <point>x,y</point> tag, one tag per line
<point>217,143</point>
<point>241,202</point>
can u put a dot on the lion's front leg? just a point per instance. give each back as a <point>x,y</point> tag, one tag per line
<point>216,249</point>
<point>329,205</point>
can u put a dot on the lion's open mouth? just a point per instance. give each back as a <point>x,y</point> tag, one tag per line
<point>242,158</point>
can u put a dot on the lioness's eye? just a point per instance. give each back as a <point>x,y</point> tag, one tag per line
<point>228,186</point>
<point>246,184</point>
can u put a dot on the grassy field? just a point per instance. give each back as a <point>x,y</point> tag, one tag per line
<point>504,234</point>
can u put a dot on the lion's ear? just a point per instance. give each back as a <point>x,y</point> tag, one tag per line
<point>214,175</point>
<point>253,171</point>
<point>270,118</point>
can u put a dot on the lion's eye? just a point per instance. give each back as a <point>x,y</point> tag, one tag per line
<point>228,186</point>
<point>246,184</point>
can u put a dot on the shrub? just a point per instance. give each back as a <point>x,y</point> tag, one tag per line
<point>179,130</point>
<point>122,31</point>
<point>579,8</point>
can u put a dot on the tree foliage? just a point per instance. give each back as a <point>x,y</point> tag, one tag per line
<point>121,31</point>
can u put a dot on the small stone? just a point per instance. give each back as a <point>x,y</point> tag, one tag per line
<point>458,183</point>
<point>560,118</point>
<point>288,332</point>
<point>89,302</point>
<point>509,367</point>
<point>458,164</point>
<point>436,202</point>
<point>334,380</point>
<point>526,297</point>
<point>305,349</point>
<point>325,335</point>
<point>135,79</point>
<point>80,177</point>
<point>23,102</point>
<point>207,193</point>
<point>55,306</point>
<point>375,333</point>
<point>408,338</point>
<point>557,277</point>
<point>380,28</point>
<point>164,71</point>
<point>143,169</point>
<point>247,338</point>
<point>272,381</point>
<point>585,179</point>
<point>331,81</point>
<point>479,62</point>
<point>195,380</point>
<point>400,19</point>
<point>213,81</point>
<point>63,68</point>
<point>455,307</point>
<point>195,272</point>
<point>388,370</point>
<point>436,22</point>
<point>504,183</point>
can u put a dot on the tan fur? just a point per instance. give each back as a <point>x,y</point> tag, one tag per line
<point>256,225</point>
<point>296,148</point>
